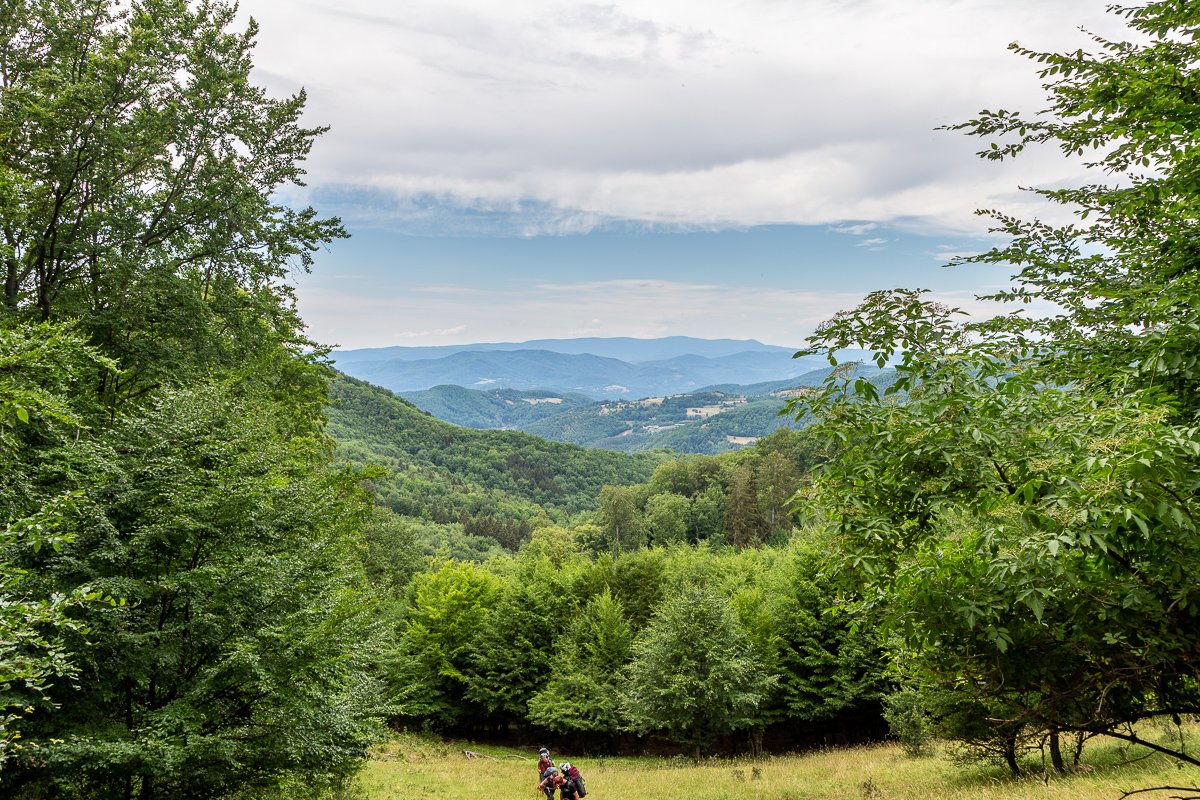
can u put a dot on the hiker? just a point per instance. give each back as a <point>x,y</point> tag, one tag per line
<point>544,761</point>
<point>551,780</point>
<point>572,786</point>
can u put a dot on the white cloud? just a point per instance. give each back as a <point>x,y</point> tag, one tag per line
<point>855,230</point>
<point>691,112</point>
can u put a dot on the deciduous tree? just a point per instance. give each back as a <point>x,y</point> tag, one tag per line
<point>1023,501</point>
<point>238,656</point>
<point>694,676</point>
<point>139,172</point>
<point>621,518</point>
<point>583,693</point>
<point>667,518</point>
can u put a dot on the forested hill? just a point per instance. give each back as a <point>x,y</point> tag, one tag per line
<point>498,482</point>
<point>710,421</point>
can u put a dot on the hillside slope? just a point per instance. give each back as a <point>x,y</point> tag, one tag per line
<point>494,409</point>
<point>713,420</point>
<point>498,483</point>
<point>707,422</point>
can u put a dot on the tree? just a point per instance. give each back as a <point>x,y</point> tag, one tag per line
<point>446,608</point>
<point>1127,280</point>
<point>778,479</point>
<point>743,515</point>
<point>239,654</point>
<point>752,609</point>
<point>31,629</point>
<point>693,675</point>
<point>830,663</point>
<point>638,581</point>
<point>620,517</point>
<point>515,646</point>
<point>1030,504</point>
<point>708,515</point>
<point>1126,274</point>
<point>667,518</point>
<point>139,167</point>
<point>583,692</point>
<point>36,368</point>
<point>671,476</point>
<point>1014,535</point>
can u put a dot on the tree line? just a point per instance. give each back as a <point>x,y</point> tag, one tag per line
<point>698,646</point>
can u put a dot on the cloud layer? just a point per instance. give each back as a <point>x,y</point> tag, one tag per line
<point>557,116</point>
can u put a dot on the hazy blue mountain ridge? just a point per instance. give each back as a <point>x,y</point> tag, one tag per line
<point>505,369</point>
<point>624,348</point>
<point>600,377</point>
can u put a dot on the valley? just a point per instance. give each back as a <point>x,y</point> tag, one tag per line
<point>567,395</point>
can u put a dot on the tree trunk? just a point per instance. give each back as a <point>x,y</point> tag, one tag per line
<point>1056,759</point>
<point>756,742</point>
<point>1010,755</point>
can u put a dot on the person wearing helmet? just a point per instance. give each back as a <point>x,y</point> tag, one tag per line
<point>572,786</point>
<point>544,760</point>
<point>551,780</point>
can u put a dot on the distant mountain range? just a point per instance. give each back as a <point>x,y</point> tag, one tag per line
<point>624,348</point>
<point>616,368</point>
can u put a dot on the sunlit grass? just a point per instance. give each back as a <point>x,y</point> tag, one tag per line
<point>420,767</point>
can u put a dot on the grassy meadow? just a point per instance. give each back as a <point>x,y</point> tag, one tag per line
<point>412,767</point>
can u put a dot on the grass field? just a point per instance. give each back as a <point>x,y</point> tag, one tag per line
<point>412,767</point>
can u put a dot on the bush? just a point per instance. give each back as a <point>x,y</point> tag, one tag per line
<point>909,722</point>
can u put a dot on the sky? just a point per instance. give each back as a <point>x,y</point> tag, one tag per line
<point>550,169</point>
